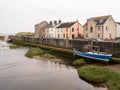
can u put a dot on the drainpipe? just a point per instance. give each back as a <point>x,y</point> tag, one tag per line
<point>78,30</point>
<point>67,38</point>
<point>102,31</point>
<point>70,33</point>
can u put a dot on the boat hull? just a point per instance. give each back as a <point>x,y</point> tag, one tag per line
<point>91,55</point>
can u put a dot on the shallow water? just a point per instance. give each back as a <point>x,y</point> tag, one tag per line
<point>18,72</point>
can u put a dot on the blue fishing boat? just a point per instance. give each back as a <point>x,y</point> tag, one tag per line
<point>93,54</point>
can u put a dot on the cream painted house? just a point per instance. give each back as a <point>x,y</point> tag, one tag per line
<point>103,27</point>
<point>70,30</point>
<point>118,30</point>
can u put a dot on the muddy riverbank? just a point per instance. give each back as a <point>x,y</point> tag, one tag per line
<point>18,72</point>
<point>56,60</point>
<point>115,67</point>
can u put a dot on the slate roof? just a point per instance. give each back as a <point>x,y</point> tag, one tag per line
<point>100,20</point>
<point>118,23</point>
<point>65,25</point>
<point>85,24</point>
<point>42,23</point>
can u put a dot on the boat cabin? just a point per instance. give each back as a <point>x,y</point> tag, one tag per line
<point>90,48</point>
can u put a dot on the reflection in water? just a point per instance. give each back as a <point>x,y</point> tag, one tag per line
<point>18,72</point>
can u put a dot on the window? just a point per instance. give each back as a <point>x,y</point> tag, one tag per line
<point>98,35</point>
<point>91,29</point>
<point>72,29</point>
<point>86,28</point>
<point>90,20</point>
<point>64,35</point>
<point>58,35</point>
<point>86,35</point>
<point>66,29</point>
<point>106,28</point>
<point>110,35</point>
<point>101,20</point>
<point>73,36</point>
<point>99,27</point>
<point>43,31</point>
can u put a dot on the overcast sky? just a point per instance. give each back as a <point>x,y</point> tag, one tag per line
<point>22,15</point>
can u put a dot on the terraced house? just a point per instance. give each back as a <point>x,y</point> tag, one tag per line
<point>69,30</point>
<point>102,27</point>
<point>118,30</point>
<point>40,29</point>
<point>50,31</point>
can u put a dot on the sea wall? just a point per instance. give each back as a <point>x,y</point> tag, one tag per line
<point>108,46</point>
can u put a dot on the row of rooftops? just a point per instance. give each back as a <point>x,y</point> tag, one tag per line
<point>67,24</point>
<point>99,21</point>
<point>118,23</point>
<point>59,23</point>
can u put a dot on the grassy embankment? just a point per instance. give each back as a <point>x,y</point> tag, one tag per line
<point>99,74</point>
<point>14,46</point>
<point>35,51</point>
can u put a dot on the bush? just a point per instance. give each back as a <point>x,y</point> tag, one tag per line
<point>79,62</point>
<point>47,55</point>
<point>14,46</point>
<point>100,75</point>
<point>34,51</point>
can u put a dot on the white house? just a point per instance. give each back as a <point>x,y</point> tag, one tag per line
<point>58,33</point>
<point>51,29</point>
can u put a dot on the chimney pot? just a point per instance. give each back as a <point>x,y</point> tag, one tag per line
<point>60,21</point>
<point>50,22</point>
<point>55,22</point>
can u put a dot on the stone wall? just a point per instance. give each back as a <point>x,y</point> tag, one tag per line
<point>70,44</point>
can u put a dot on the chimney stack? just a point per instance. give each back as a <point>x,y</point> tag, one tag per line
<point>60,21</point>
<point>51,23</point>
<point>55,22</point>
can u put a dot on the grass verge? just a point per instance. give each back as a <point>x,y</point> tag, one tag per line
<point>34,51</point>
<point>14,46</point>
<point>100,75</point>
